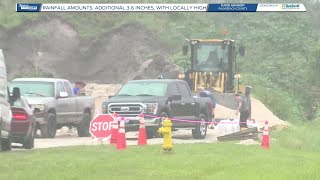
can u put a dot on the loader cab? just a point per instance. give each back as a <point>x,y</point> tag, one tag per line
<point>212,64</point>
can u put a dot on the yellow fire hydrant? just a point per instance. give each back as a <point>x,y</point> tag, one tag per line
<point>165,131</point>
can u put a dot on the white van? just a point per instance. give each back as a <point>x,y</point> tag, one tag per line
<point>5,109</point>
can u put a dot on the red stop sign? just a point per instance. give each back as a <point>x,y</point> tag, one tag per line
<point>100,126</point>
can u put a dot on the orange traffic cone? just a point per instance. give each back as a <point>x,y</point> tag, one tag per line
<point>142,139</point>
<point>114,133</point>
<point>121,141</point>
<point>114,130</point>
<point>265,138</point>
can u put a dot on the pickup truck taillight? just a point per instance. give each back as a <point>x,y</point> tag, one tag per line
<point>211,107</point>
<point>19,116</point>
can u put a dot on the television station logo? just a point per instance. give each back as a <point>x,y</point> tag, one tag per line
<point>290,6</point>
<point>28,7</point>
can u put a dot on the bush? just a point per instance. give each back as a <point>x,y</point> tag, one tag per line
<point>280,102</point>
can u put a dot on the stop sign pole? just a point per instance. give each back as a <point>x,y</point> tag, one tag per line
<point>100,126</point>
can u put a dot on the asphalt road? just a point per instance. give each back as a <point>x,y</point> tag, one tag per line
<point>66,137</point>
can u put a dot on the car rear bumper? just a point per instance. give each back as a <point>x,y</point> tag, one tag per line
<point>21,128</point>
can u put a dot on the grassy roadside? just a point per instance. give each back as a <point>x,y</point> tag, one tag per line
<point>189,161</point>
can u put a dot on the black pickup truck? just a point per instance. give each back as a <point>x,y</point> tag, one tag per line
<point>160,98</point>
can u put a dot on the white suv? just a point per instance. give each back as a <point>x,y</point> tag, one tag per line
<point>5,109</point>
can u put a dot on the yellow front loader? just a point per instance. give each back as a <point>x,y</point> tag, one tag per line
<point>213,67</point>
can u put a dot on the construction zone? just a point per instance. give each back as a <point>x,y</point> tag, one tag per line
<point>214,70</point>
<point>226,128</point>
<point>148,90</point>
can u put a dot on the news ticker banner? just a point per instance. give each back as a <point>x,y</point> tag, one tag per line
<point>235,7</point>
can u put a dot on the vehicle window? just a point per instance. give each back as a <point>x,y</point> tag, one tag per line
<point>173,90</point>
<point>60,87</point>
<point>184,91</point>
<point>68,88</point>
<point>33,88</point>
<point>143,89</point>
<point>210,57</point>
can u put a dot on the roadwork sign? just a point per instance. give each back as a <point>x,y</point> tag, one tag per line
<point>100,126</point>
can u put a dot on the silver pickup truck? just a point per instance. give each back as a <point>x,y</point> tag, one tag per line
<point>55,105</point>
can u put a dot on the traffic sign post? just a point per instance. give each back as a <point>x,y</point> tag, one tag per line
<point>101,125</point>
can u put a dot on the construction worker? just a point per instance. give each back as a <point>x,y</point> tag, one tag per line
<point>213,60</point>
<point>243,108</point>
<point>78,88</point>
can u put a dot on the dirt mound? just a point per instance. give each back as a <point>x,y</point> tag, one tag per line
<point>260,113</point>
<point>101,92</point>
<point>52,47</point>
<point>42,46</point>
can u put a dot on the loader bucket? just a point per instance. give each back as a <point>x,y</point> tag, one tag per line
<point>225,99</point>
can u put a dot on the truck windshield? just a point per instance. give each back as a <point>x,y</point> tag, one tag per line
<point>40,89</point>
<point>143,89</point>
<point>209,57</point>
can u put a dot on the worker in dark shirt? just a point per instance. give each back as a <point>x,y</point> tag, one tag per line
<point>243,108</point>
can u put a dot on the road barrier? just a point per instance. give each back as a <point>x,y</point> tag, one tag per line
<point>228,126</point>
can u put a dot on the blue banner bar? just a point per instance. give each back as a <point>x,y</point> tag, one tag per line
<point>28,8</point>
<point>234,7</point>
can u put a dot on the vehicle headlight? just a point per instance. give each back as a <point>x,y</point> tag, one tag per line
<point>38,108</point>
<point>151,108</point>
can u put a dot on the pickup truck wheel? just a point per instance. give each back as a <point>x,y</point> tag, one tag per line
<point>83,127</point>
<point>201,129</point>
<point>5,144</point>
<point>49,129</point>
<point>28,142</point>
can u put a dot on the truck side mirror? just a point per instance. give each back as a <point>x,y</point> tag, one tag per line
<point>242,50</point>
<point>63,95</point>
<point>175,98</point>
<point>185,49</point>
<point>16,93</point>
